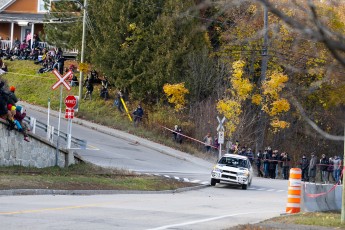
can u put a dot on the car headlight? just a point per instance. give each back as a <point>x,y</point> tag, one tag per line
<point>244,173</point>
<point>216,169</point>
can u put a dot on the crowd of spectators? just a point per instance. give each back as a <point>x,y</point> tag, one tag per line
<point>11,112</point>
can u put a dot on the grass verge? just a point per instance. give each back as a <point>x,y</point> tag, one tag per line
<point>82,177</point>
<point>298,221</point>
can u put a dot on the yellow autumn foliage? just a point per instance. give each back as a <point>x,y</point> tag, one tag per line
<point>273,104</point>
<point>241,89</point>
<point>176,94</point>
<point>278,124</point>
<point>274,85</point>
<point>279,106</point>
<point>83,67</point>
<point>241,86</point>
<point>256,99</point>
<point>231,109</point>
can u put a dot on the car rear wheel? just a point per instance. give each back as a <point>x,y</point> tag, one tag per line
<point>244,186</point>
<point>213,182</point>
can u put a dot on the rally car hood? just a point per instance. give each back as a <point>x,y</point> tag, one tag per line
<point>231,169</point>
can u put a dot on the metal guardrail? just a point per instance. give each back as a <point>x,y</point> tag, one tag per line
<point>37,124</point>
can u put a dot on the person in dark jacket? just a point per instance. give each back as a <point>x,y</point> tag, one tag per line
<point>250,155</point>
<point>273,165</point>
<point>330,169</point>
<point>176,134</point>
<point>324,163</point>
<point>138,114</point>
<point>3,101</point>
<point>89,88</point>
<point>4,112</point>
<point>286,165</point>
<point>266,161</point>
<point>12,98</point>
<point>258,163</point>
<point>304,166</point>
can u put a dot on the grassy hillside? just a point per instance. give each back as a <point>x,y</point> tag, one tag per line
<point>36,89</point>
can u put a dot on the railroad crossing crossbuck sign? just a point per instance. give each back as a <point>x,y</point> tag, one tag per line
<point>220,127</point>
<point>61,80</point>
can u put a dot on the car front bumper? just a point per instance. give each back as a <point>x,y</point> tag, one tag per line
<point>229,177</point>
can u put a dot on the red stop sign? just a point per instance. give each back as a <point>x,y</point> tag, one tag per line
<point>70,101</point>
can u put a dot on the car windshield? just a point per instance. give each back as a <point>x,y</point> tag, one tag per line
<point>233,162</point>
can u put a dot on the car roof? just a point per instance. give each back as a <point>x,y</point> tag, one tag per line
<point>235,156</point>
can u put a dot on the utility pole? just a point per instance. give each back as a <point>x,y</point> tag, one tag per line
<point>265,47</point>
<point>81,79</point>
<point>261,128</point>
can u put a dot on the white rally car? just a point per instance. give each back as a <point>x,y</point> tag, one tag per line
<point>234,169</point>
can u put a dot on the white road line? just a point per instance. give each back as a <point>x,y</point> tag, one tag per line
<point>205,220</point>
<point>195,181</point>
<point>167,176</point>
<point>281,191</point>
<point>205,182</point>
<point>185,180</point>
<point>156,174</point>
<point>177,178</point>
<point>270,190</point>
<point>260,189</point>
<point>148,173</point>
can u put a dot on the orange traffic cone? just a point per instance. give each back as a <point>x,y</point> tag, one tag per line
<point>294,192</point>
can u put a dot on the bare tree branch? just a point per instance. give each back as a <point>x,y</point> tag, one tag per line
<point>333,41</point>
<point>312,123</point>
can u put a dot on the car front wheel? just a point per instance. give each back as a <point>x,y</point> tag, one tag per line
<point>244,186</point>
<point>213,182</point>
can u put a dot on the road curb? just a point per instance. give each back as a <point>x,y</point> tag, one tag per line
<point>21,192</point>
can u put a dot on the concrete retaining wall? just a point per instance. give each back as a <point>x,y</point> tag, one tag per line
<point>328,202</point>
<point>36,153</point>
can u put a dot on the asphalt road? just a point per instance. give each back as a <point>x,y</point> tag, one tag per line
<point>209,208</point>
<point>108,151</point>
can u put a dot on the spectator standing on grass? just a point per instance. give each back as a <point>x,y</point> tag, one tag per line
<point>74,81</point>
<point>138,114</point>
<point>104,93</point>
<point>312,167</point>
<point>118,101</point>
<point>178,134</point>
<point>276,152</point>
<point>324,162</point>
<point>208,142</point>
<point>258,163</point>
<point>273,165</point>
<point>175,133</point>
<point>215,143</point>
<point>336,168</point>
<point>250,155</point>
<point>89,88</point>
<point>266,161</point>
<point>330,169</point>
<point>304,166</point>
<point>286,165</point>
